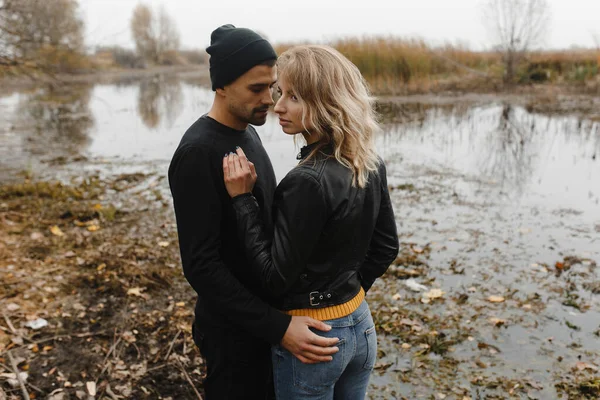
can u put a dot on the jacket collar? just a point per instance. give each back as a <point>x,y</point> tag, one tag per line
<point>306,150</point>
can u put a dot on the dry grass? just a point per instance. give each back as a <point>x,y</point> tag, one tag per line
<point>394,65</point>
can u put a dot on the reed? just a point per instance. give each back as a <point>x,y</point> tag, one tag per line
<point>395,65</point>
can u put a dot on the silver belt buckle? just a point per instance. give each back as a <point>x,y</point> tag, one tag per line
<point>313,296</point>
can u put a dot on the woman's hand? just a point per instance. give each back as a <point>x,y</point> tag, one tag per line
<point>239,173</point>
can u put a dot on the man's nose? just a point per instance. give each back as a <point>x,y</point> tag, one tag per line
<point>268,98</point>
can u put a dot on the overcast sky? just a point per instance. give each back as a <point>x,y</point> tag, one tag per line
<point>573,22</point>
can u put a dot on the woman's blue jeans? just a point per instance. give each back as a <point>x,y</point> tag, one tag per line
<point>346,377</point>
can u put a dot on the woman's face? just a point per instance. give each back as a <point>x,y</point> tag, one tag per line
<point>289,109</point>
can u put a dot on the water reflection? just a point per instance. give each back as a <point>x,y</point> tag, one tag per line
<point>509,154</point>
<point>56,120</point>
<point>517,151</point>
<point>158,97</point>
<point>522,154</point>
<point>413,112</point>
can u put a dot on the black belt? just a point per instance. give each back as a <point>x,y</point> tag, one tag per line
<point>308,300</point>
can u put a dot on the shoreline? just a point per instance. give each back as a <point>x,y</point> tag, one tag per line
<point>103,76</point>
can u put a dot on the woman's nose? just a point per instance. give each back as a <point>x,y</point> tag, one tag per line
<point>279,109</point>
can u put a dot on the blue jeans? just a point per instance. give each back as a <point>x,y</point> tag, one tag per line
<point>346,377</point>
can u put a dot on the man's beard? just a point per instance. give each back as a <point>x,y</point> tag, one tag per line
<point>256,118</point>
<point>249,117</point>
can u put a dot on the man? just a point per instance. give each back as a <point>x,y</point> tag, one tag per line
<point>234,326</point>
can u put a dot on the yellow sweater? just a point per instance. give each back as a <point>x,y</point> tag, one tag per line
<point>333,312</point>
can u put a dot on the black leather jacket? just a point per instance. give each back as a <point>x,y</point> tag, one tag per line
<point>330,238</point>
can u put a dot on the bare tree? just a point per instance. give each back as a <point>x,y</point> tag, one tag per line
<point>30,30</point>
<point>141,30</point>
<point>516,26</point>
<point>154,34</point>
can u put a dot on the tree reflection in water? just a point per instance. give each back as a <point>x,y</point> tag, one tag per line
<point>500,143</point>
<point>508,154</point>
<point>159,97</point>
<point>56,120</point>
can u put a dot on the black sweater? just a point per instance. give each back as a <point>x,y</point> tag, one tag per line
<point>212,255</point>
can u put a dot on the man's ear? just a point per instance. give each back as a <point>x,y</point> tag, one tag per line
<point>221,92</point>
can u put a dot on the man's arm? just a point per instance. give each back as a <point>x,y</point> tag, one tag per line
<point>198,212</point>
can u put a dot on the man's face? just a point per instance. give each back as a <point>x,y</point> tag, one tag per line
<point>250,96</point>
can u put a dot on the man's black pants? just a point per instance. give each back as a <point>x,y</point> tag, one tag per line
<point>238,365</point>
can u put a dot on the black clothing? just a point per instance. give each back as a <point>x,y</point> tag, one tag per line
<point>330,238</point>
<point>238,367</point>
<point>233,51</point>
<point>214,263</point>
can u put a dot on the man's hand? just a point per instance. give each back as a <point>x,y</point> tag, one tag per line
<point>306,345</point>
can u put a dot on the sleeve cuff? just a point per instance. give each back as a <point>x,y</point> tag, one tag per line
<point>276,332</point>
<point>245,201</point>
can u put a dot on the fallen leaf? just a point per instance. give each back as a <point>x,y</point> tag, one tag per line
<point>581,366</point>
<point>559,265</point>
<point>434,294</point>
<point>414,285</point>
<point>91,388</point>
<point>37,324</point>
<point>496,299</point>
<point>93,228</point>
<point>163,244</point>
<point>12,378</point>
<point>383,365</point>
<point>36,236</point>
<point>135,291</point>
<point>397,296</point>
<point>129,337</point>
<point>56,231</point>
<point>406,346</point>
<point>497,321</point>
<point>409,322</point>
<point>180,304</point>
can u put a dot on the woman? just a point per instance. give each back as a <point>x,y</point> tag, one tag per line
<point>334,231</point>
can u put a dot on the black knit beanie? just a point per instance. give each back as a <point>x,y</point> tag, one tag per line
<point>233,51</point>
